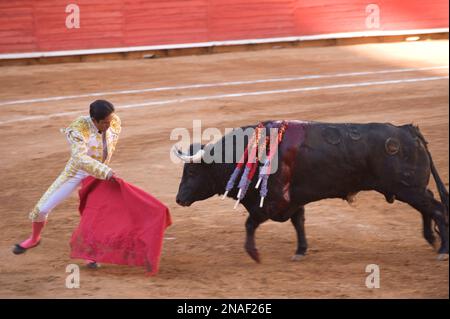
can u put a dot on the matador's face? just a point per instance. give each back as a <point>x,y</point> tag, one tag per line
<point>104,124</point>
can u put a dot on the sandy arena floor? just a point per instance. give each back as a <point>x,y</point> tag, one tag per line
<point>203,255</point>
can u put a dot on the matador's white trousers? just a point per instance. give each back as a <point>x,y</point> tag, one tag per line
<point>61,188</point>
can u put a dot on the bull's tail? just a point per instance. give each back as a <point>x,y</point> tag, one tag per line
<point>443,193</point>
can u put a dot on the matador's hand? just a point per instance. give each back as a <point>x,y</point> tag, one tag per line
<point>111,175</point>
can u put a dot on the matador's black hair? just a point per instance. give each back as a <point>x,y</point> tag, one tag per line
<point>100,109</point>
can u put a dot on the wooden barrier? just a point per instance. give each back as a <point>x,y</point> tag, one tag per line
<point>44,29</point>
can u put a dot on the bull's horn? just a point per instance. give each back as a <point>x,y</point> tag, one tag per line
<point>196,158</point>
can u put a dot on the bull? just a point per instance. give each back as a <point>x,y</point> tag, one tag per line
<point>330,161</point>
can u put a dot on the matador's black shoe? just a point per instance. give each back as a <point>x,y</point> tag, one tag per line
<point>92,265</point>
<point>18,250</point>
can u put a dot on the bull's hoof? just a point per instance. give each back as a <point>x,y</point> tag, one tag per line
<point>442,257</point>
<point>436,245</point>
<point>254,254</point>
<point>297,257</point>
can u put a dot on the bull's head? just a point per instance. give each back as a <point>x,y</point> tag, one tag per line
<point>198,181</point>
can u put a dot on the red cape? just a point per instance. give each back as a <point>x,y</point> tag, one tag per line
<point>120,224</point>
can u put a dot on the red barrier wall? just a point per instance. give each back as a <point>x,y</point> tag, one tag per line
<point>36,26</point>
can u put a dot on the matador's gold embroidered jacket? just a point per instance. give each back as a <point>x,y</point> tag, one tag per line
<point>87,146</point>
<point>87,154</point>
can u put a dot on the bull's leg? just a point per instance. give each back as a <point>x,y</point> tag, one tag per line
<point>250,247</point>
<point>298,220</point>
<point>430,209</point>
<point>428,230</point>
<point>428,233</point>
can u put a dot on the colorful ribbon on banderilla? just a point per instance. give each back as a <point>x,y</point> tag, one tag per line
<point>254,151</point>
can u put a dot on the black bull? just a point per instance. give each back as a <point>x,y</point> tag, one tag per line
<point>334,161</point>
